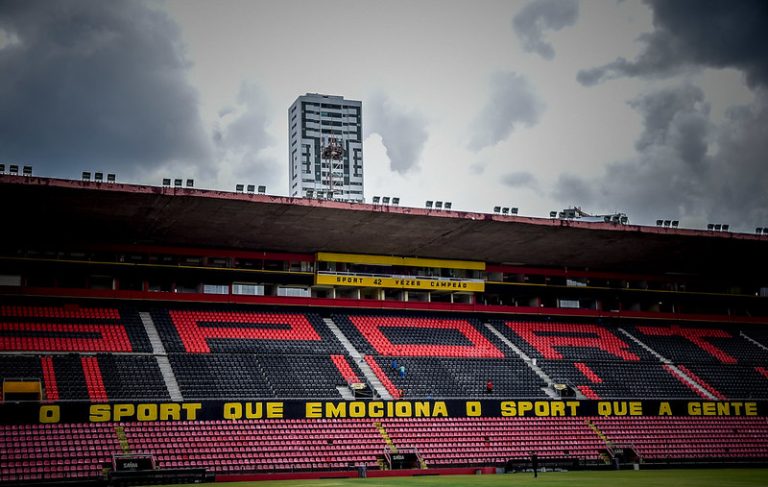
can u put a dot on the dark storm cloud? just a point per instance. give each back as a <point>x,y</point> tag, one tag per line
<point>571,190</point>
<point>248,130</point>
<point>519,179</point>
<point>89,84</point>
<point>403,132</point>
<point>740,177</point>
<point>512,102</point>
<point>676,118</point>
<point>539,16</point>
<point>241,137</point>
<point>697,33</point>
<point>686,167</point>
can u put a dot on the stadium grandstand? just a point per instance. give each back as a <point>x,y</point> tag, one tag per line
<point>164,334</point>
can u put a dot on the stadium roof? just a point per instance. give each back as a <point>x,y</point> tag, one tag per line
<point>40,210</point>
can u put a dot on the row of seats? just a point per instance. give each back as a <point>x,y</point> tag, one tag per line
<point>686,437</point>
<point>50,452</point>
<point>692,343</point>
<point>237,376</point>
<point>262,448</point>
<point>132,377</point>
<point>448,377</point>
<point>109,376</point>
<point>612,380</point>
<point>67,311</point>
<point>210,376</point>
<point>477,440</point>
<point>464,354</point>
<point>241,330</point>
<point>58,451</point>
<point>71,329</point>
<point>576,341</point>
<point>700,343</point>
<point>217,376</point>
<point>420,336</point>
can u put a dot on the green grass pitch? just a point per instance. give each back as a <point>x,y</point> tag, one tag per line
<point>752,477</point>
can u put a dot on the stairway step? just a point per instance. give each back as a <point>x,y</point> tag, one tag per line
<point>171,384</point>
<point>370,376</point>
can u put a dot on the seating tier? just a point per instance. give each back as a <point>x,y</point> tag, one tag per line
<point>613,379</point>
<point>467,377</point>
<point>78,451</point>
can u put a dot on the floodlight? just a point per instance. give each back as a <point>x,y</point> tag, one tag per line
<point>13,169</point>
<point>239,188</point>
<point>86,176</point>
<point>2,168</point>
<point>111,178</point>
<point>710,226</point>
<point>177,183</point>
<point>553,214</point>
<point>759,230</point>
<point>497,209</point>
<point>27,170</point>
<point>98,176</point>
<point>726,227</point>
<point>513,211</point>
<point>429,203</point>
<point>166,181</point>
<point>624,220</point>
<point>262,189</point>
<point>376,200</point>
<point>675,223</point>
<point>504,210</point>
<point>310,193</point>
<point>447,205</point>
<point>667,223</point>
<point>190,183</point>
<point>250,188</point>
<point>385,200</point>
<point>395,201</point>
<point>718,227</point>
<point>438,205</point>
<point>659,223</point>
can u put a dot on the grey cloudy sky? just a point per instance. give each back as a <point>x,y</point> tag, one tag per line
<point>654,108</point>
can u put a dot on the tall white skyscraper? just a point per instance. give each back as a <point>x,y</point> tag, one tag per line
<point>325,151</point>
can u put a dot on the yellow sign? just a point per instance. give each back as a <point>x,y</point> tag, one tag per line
<point>387,260</point>
<point>21,386</point>
<point>400,282</point>
<point>376,409</point>
<point>80,412</point>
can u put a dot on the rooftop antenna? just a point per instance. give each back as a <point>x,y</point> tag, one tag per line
<point>333,155</point>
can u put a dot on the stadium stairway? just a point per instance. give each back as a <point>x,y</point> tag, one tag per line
<point>597,431</point>
<point>644,346</point>
<point>120,432</point>
<point>676,372</point>
<point>704,360</point>
<point>607,455</point>
<point>752,340</point>
<point>548,390</point>
<point>383,432</point>
<point>158,349</point>
<point>369,374</point>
